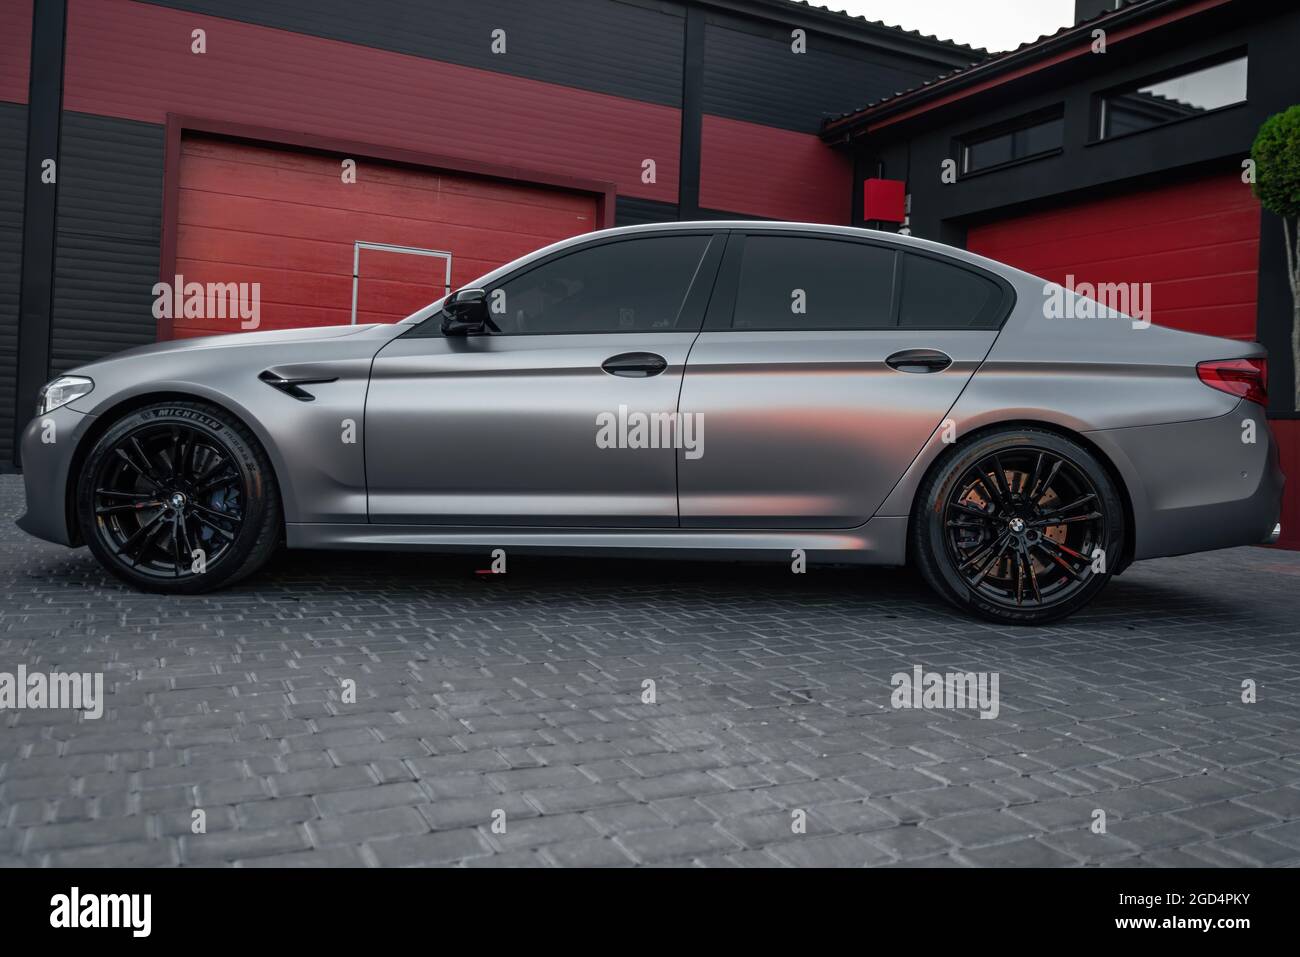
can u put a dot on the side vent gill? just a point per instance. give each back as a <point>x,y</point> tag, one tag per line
<point>293,386</point>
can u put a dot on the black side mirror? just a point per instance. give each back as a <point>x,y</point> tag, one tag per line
<point>465,313</point>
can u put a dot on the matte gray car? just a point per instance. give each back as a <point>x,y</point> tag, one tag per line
<point>732,389</point>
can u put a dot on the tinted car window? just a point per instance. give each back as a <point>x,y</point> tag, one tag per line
<point>939,295</point>
<point>633,286</point>
<point>789,282</point>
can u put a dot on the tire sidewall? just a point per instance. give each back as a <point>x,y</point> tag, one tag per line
<point>243,455</point>
<point>938,565</point>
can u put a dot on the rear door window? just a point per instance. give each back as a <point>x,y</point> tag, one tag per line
<point>795,283</point>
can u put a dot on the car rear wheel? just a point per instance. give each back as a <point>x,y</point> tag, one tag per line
<point>179,497</point>
<point>1019,526</point>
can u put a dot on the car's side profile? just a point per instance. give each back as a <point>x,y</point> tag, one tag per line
<point>723,389</point>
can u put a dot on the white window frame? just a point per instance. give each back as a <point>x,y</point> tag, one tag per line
<point>405,250</point>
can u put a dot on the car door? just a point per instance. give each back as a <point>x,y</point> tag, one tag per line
<point>825,364</point>
<point>511,429</point>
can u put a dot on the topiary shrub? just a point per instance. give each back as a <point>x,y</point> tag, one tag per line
<point>1276,152</point>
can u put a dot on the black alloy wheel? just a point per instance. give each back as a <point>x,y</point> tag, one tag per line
<point>1020,527</point>
<point>178,497</point>
<point>1023,527</point>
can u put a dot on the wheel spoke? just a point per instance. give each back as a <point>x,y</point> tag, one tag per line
<point>149,541</point>
<point>174,454</point>
<point>982,551</point>
<point>996,559</point>
<point>136,507</point>
<point>979,478</point>
<point>142,471</point>
<point>1033,575</point>
<point>1073,505</point>
<point>1047,482</point>
<point>178,559</point>
<point>185,537</point>
<point>1068,550</point>
<point>229,536</point>
<point>1053,522</point>
<point>138,541</point>
<point>1000,480</point>
<point>228,516</point>
<point>971,509</point>
<point>1056,557</point>
<point>994,490</point>
<point>216,483</point>
<point>1033,480</point>
<point>128,496</point>
<point>218,461</point>
<point>150,470</point>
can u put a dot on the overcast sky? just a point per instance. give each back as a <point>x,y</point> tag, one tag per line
<point>995,24</point>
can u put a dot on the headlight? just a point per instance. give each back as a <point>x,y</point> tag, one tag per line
<point>61,391</point>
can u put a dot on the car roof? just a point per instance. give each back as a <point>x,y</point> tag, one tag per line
<point>822,229</point>
<point>741,225</point>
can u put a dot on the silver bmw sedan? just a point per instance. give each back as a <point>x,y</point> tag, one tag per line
<point>733,390</point>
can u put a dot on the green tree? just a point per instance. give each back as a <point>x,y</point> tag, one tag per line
<point>1276,152</point>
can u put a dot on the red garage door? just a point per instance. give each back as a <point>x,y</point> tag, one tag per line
<point>285,219</point>
<point>1197,243</point>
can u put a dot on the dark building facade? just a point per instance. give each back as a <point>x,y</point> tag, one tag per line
<point>1113,152</point>
<point>207,139</point>
<point>353,160</point>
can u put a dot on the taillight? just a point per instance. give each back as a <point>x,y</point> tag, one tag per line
<point>1247,378</point>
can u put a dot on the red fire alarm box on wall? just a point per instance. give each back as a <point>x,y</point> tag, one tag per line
<point>882,200</point>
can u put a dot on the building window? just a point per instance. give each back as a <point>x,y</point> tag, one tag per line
<point>1190,93</point>
<point>1023,138</point>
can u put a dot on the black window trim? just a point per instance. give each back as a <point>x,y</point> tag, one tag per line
<point>1024,121</point>
<point>1096,134</point>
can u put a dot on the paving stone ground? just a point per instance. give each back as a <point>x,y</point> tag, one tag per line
<point>519,698</point>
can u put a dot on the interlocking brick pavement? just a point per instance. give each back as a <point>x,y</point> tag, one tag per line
<point>521,694</point>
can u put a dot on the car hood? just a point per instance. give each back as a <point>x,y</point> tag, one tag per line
<point>219,367</point>
<point>255,340</point>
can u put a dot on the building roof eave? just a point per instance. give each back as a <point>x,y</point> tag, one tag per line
<point>1043,53</point>
<point>856,28</point>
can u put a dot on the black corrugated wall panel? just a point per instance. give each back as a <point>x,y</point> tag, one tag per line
<point>632,48</point>
<point>108,233</point>
<point>631,211</point>
<point>13,154</point>
<point>751,73</point>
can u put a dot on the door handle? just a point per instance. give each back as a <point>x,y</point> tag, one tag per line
<point>635,365</point>
<point>919,360</point>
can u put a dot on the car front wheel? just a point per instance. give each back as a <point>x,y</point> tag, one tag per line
<point>179,497</point>
<point>1019,526</point>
